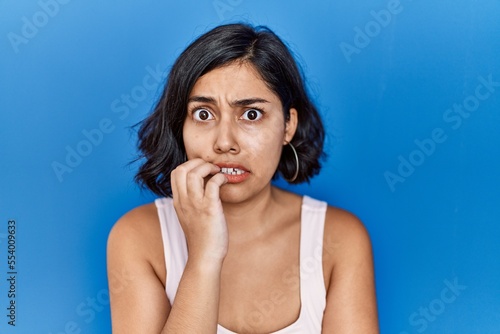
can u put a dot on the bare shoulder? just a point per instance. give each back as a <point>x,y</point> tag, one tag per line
<point>351,286</point>
<point>135,226</point>
<point>137,221</point>
<point>136,273</point>
<point>136,236</point>
<point>345,236</point>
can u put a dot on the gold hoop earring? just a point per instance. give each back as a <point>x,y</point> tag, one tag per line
<point>297,163</point>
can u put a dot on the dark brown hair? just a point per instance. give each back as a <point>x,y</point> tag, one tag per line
<point>160,135</point>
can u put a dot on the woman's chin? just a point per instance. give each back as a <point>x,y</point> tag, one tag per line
<point>233,193</point>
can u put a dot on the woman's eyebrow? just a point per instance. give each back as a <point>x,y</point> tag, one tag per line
<point>203,99</point>
<point>236,103</point>
<point>249,101</point>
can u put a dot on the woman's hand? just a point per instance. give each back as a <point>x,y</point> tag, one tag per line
<point>195,191</point>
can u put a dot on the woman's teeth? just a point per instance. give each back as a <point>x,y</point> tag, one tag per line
<point>231,171</point>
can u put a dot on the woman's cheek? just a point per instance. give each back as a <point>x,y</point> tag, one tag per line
<point>195,142</point>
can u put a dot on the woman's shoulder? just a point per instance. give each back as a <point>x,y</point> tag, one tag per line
<point>341,226</point>
<point>137,222</point>
<point>343,221</point>
<point>136,236</point>
<point>345,236</point>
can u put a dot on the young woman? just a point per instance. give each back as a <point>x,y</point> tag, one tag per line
<point>223,250</point>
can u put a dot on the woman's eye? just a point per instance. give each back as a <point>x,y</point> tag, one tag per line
<point>252,115</point>
<point>202,115</point>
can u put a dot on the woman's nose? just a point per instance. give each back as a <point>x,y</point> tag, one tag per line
<point>225,140</point>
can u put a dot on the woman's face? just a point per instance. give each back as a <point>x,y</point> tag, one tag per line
<point>236,122</point>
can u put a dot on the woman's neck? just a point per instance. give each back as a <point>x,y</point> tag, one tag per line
<point>256,217</point>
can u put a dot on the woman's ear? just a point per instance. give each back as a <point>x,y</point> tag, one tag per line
<point>291,126</point>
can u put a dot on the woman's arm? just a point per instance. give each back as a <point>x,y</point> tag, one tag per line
<point>134,246</point>
<point>195,189</point>
<point>196,306</point>
<point>138,300</point>
<point>351,304</point>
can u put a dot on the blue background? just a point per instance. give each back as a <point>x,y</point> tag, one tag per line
<point>65,76</point>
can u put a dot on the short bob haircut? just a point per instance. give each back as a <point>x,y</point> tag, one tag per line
<point>160,139</point>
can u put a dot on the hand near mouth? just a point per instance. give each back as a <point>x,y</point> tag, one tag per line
<point>195,188</point>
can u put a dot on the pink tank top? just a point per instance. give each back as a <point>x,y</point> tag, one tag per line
<point>312,287</point>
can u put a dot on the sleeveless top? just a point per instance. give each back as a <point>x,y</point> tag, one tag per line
<point>312,286</point>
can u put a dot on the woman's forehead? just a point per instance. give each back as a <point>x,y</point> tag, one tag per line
<point>236,81</point>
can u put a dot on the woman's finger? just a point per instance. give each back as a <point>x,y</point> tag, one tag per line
<point>178,178</point>
<point>196,177</point>
<point>212,189</point>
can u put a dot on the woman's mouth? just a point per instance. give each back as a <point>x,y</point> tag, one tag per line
<point>231,171</point>
<point>234,173</point>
